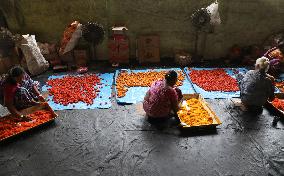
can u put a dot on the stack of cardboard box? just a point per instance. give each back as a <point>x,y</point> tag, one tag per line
<point>8,62</point>
<point>148,48</point>
<point>119,46</point>
<point>81,57</point>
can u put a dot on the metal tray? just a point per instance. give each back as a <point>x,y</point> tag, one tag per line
<point>31,110</point>
<point>216,120</point>
<point>274,109</point>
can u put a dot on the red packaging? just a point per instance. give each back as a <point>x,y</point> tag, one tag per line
<point>119,46</point>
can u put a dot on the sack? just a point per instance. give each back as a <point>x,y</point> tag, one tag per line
<point>214,13</point>
<point>71,36</point>
<point>182,58</point>
<point>36,63</point>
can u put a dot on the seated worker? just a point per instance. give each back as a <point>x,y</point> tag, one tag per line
<point>256,86</point>
<point>276,57</point>
<point>18,91</point>
<point>162,98</point>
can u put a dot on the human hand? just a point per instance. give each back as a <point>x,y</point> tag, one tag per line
<point>235,71</point>
<point>270,77</point>
<point>24,118</point>
<point>270,99</point>
<point>41,98</point>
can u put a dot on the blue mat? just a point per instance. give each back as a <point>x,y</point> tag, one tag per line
<point>280,78</point>
<point>136,94</point>
<point>103,100</point>
<point>215,94</point>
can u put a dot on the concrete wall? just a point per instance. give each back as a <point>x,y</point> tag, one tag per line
<point>243,21</point>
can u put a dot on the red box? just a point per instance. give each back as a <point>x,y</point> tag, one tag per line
<point>119,50</point>
<point>67,57</point>
<point>81,58</point>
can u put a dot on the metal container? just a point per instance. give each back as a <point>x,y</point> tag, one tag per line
<point>31,110</point>
<point>216,120</point>
<point>274,109</point>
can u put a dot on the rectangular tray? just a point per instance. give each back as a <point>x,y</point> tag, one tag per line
<point>272,108</point>
<point>216,120</point>
<point>279,86</point>
<point>31,110</point>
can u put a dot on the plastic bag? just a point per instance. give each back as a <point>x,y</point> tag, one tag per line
<point>36,63</point>
<point>214,13</point>
<point>71,36</point>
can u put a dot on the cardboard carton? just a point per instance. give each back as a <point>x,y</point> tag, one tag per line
<point>148,49</point>
<point>119,50</point>
<point>119,45</point>
<point>67,57</point>
<point>81,57</point>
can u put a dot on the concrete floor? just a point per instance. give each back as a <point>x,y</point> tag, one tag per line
<point>119,141</point>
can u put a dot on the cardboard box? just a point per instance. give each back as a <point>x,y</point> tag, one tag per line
<point>149,55</point>
<point>81,57</point>
<point>119,50</point>
<point>119,45</point>
<point>8,63</point>
<point>3,68</point>
<point>67,57</point>
<point>23,64</point>
<point>51,56</point>
<point>55,62</point>
<point>149,41</point>
<point>148,49</point>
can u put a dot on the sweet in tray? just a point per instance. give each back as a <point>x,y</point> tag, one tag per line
<point>194,112</point>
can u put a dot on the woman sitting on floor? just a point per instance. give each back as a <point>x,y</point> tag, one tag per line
<point>163,98</point>
<point>18,91</point>
<point>256,86</point>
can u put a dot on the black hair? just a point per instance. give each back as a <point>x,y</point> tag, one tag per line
<point>13,73</point>
<point>171,76</point>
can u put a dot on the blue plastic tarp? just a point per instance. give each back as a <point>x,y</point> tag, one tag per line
<point>215,94</point>
<point>136,94</point>
<point>103,100</point>
<point>279,79</point>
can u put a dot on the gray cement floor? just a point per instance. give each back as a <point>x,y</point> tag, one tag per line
<point>119,141</point>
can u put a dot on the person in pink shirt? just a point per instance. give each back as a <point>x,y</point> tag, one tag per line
<point>162,99</point>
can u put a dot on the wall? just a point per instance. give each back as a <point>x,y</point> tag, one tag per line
<point>243,21</point>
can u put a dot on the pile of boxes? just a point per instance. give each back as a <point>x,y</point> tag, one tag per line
<point>148,49</point>
<point>73,59</point>
<point>8,62</point>
<point>119,45</point>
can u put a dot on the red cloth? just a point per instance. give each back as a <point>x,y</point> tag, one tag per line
<point>9,91</point>
<point>160,100</point>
